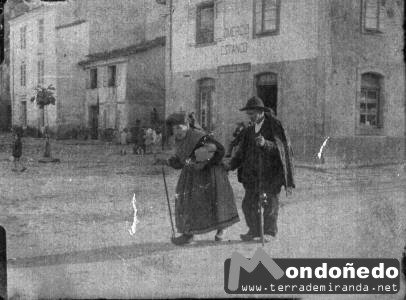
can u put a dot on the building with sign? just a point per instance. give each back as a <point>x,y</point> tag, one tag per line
<point>327,68</point>
<point>55,43</point>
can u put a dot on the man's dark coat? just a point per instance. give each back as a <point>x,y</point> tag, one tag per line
<point>276,157</point>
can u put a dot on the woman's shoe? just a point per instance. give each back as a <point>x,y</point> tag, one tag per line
<point>183,239</point>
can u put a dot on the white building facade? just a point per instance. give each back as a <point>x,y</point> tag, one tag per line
<point>48,42</point>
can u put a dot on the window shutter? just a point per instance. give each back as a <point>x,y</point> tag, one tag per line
<point>191,25</point>
<point>219,15</point>
<point>88,79</point>
<point>120,74</point>
<point>382,14</point>
<point>258,16</point>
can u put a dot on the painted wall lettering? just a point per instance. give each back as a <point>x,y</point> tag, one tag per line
<point>236,31</point>
<point>234,48</point>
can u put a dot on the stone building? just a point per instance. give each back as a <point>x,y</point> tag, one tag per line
<point>5,103</point>
<point>12,9</point>
<point>125,85</point>
<point>48,43</point>
<point>328,68</point>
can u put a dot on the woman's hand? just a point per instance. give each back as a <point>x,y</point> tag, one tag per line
<point>161,161</point>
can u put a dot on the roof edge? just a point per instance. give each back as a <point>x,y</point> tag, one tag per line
<point>122,52</point>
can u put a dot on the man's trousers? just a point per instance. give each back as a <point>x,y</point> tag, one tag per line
<point>250,207</point>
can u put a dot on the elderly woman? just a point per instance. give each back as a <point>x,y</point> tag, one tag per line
<point>204,197</point>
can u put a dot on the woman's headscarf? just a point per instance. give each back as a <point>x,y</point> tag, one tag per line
<point>184,148</point>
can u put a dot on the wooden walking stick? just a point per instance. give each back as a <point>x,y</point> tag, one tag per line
<point>261,197</point>
<point>169,204</point>
<point>3,264</point>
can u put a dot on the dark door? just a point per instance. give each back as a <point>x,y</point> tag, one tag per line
<point>267,90</point>
<point>94,121</point>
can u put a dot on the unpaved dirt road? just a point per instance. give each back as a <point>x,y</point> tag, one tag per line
<point>67,225</point>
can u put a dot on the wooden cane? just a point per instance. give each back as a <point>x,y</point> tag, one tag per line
<point>169,204</point>
<point>260,199</point>
<point>3,264</point>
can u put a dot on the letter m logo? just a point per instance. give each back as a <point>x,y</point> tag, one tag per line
<point>238,261</point>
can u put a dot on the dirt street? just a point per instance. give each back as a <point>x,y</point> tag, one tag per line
<point>67,225</point>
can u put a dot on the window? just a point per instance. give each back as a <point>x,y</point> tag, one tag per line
<point>40,72</point>
<point>266,16</point>
<point>23,33</point>
<point>105,118</point>
<point>372,15</point>
<point>93,78</point>
<point>205,23</point>
<point>111,75</point>
<point>41,31</point>
<point>205,99</point>
<point>370,101</point>
<point>23,69</point>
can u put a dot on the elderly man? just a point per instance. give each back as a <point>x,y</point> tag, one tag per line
<point>266,159</point>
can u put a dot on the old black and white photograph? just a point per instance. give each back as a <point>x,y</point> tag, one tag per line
<point>154,149</point>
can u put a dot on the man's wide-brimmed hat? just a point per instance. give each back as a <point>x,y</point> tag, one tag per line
<point>255,103</point>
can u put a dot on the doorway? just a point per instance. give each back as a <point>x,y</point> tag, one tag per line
<point>267,90</point>
<point>94,121</point>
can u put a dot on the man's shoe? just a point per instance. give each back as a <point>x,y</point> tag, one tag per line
<point>267,238</point>
<point>249,236</point>
<point>184,239</point>
<point>271,234</point>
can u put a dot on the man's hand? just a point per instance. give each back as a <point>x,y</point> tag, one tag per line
<point>289,191</point>
<point>260,141</point>
<point>227,165</point>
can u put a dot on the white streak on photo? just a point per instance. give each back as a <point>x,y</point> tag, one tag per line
<point>322,147</point>
<point>133,228</point>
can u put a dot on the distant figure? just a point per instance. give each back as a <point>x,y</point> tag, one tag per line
<point>158,142</point>
<point>137,137</point>
<point>123,141</point>
<point>17,150</point>
<point>154,117</point>
<point>150,137</point>
<point>192,119</point>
